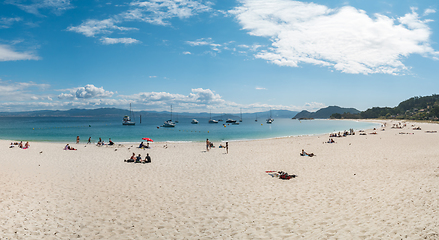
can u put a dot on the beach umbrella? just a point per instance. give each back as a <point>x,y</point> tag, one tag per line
<point>148,139</point>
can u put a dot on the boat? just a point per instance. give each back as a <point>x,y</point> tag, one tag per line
<point>194,121</point>
<point>212,120</point>
<point>256,117</point>
<point>221,119</point>
<point>235,123</point>
<point>127,119</point>
<point>240,120</point>
<point>270,120</point>
<point>230,121</point>
<point>176,121</point>
<point>169,123</point>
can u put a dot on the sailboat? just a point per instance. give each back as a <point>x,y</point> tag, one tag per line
<point>240,120</point>
<point>270,120</point>
<point>127,119</point>
<point>212,120</point>
<point>169,123</point>
<point>176,121</point>
<point>256,117</point>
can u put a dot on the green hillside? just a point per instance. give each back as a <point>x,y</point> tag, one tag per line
<point>415,108</point>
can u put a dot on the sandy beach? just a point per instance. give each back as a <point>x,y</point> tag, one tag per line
<point>373,186</point>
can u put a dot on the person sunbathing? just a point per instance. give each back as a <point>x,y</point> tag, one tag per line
<point>303,153</point>
<point>67,147</point>
<point>132,158</point>
<point>138,159</point>
<point>147,159</point>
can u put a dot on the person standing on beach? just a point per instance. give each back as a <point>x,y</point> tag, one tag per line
<point>227,147</point>
<point>77,139</point>
<point>207,144</point>
<point>89,140</point>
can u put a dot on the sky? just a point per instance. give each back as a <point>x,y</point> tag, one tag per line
<point>216,55</point>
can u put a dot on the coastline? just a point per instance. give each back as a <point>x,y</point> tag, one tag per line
<point>363,186</point>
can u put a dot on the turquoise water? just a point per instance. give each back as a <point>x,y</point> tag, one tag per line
<point>62,129</point>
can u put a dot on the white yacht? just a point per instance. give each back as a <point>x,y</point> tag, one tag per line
<point>127,119</point>
<point>194,121</point>
<point>212,120</point>
<point>169,123</point>
<point>270,120</point>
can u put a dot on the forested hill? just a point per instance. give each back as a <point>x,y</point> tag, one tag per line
<point>326,112</point>
<point>415,108</point>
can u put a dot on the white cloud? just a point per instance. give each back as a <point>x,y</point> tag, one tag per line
<point>159,11</point>
<point>56,6</point>
<point>345,39</point>
<point>187,53</point>
<point>155,12</point>
<point>7,54</point>
<point>429,11</point>
<point>108,41</point>
<point>7,22</point>
<point>20,91</point>
<point>260,88</point>
<point>92,27</point>
<point>20,96</point>
<point>209,42</point>
<point>197,96</point>
<point>200,42</point>
<point>89,91</point>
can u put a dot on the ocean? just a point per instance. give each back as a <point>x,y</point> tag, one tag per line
<point>62,129</point>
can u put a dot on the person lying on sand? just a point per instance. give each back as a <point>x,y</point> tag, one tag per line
<point>131,159</point>
<point>303,153</point>
<point>67,147</point>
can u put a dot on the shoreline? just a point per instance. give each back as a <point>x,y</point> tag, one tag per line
<point>233,140</point>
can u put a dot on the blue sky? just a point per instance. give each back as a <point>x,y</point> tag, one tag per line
<point>217,55</point>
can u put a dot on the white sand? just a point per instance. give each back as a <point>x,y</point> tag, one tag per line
<point>383,186</point>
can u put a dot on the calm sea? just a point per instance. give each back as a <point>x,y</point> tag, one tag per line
<point>60,129</point>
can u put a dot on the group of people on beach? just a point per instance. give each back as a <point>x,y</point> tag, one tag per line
<point>99,143</point>
<point>138,159</point>
<point>209,145</point>
<point>20,145</point>
<point>143,146</point>
<point>345,133</point>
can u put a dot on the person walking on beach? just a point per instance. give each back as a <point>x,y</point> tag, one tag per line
<point>89,140</point>
<point>207,145</point>
<point>77,139</point>
<point>227,147</point>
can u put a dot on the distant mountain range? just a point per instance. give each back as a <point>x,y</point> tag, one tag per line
<point>115,112</point>
<point>326,112</point>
